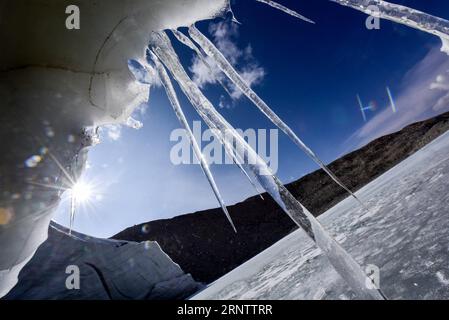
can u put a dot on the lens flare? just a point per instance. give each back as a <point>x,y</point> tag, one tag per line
<point>392,102</point>
<point>81,192</point>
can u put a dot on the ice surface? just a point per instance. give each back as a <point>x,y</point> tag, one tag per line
<point>405,235</point>
<point>345,265</point>
<point>171,94</point>
<point>285,9</point>
<point>109,269</point>
<point>403,15</point>
<point>238,81</point>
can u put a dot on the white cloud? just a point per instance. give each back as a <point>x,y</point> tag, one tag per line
<point>252,75</point>
<point>202,75</point>
<point>224,35</point>
<point>424,94</point>
<point>441,84</point>
<point>141,110</point>
<point>442,103</point>
<point>223,104</point>
<point>113,131</point>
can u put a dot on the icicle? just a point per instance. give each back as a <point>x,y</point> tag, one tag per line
<point>286,10</point>
<point>171,94</point>
<point>72,212</point>
<point>140,73</point>
<point>445,45</point>
<point>403,15</point>
<point>235,77</point>
<point>259,192</point>
<point>133,123</point>
<point>343,263</point>
<point>238,161</point>
<point>187,42</point>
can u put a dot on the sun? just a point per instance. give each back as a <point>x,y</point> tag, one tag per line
<point>81,192</point>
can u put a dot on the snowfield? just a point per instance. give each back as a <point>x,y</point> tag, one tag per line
<point>405,234</point>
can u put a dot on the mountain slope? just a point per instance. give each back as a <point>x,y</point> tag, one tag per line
<point>203,243</point>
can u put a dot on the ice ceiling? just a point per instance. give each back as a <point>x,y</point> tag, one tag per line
<point>72,83</point>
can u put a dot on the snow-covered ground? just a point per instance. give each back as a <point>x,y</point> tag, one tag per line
<point>405,234</point>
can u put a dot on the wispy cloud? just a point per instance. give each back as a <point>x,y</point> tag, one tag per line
<point>441,84</point>
<point>424,93</point>
<point>225,34</point>
<point>113,131</point>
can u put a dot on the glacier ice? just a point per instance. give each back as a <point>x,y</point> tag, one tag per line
<point>343,263</point>
<point>403,15</point>
<point>285,9</point>
<point>171,94</point>
<point>238,81</point>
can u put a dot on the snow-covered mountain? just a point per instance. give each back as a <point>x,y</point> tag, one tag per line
<point>404,234</point>
<point>109,269</point>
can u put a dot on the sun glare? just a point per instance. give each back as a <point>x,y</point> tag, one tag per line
<point>81,191</point>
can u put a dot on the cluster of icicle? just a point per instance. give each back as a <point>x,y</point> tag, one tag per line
<point>403,15</point>
<point>163,60</point>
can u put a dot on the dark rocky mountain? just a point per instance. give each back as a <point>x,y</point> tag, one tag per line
<point>203,243</point>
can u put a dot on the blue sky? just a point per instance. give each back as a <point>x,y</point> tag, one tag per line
<point>308,74</point>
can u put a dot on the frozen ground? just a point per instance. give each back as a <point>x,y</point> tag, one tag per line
<point>405,234</point>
